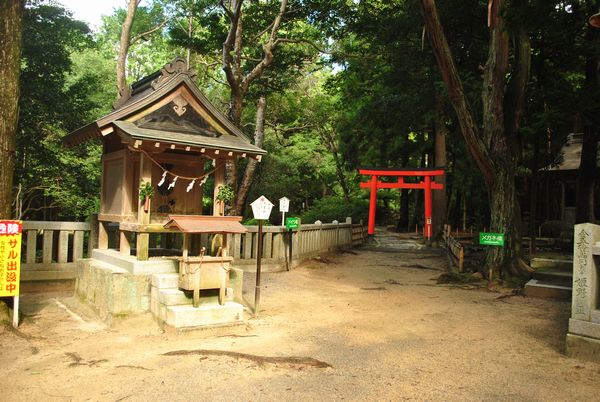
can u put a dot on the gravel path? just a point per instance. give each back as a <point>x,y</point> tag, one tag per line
<point>366,326</point>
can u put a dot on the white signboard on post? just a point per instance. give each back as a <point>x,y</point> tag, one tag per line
<point>261,208</point>
<point>284,204</point>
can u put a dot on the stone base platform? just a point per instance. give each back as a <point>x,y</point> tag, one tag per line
<point>173,307</point>
<point>112,291</point>
<point>132,265</point>
<point>583,347</point>
<point>118,286</point>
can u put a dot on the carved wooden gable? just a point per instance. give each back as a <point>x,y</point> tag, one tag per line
<point>180,117</point>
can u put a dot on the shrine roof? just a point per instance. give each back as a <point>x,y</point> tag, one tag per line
<point>570,155</point>
<point>205,224</point>
<point>130,132</point>
<point>168,107</point>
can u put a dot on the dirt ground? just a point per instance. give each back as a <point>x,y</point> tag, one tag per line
<point>365,326</point>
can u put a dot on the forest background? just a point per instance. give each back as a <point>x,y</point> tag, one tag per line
<point>323,86</point>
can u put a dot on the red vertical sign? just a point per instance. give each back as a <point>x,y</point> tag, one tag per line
<point>10,257</point>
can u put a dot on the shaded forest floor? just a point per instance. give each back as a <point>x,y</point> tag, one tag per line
<point>364,325</point>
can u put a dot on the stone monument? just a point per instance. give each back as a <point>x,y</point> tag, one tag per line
<point>583,338</point>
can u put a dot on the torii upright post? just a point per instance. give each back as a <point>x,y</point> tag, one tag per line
<point>372,204</point>
<point>427,184</point>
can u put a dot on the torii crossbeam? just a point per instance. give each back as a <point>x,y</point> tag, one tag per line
<point>426,184</point>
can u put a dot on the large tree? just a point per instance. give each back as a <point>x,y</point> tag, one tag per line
<point>56,97</point>
<point>11,14</point>
<point>262,46</point>
<point>132,32</point>
<point>590,113</point>
<point>493,142</point>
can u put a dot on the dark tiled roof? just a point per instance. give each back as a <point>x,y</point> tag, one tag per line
<point>226,142</point>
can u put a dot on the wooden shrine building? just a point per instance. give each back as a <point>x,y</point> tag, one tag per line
<point>558,185</point>
<point>164,132</point>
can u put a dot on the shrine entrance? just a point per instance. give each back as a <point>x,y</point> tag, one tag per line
<point>426,184</point>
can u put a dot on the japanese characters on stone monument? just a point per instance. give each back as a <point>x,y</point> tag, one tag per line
<point>580,280</point>
<point>583,338</point>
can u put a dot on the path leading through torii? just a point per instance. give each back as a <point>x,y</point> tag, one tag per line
<point>427,184</point>
<point>386,241</point>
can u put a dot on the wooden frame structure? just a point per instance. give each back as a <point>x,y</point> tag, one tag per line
<point>427,184</point>
<point>164,132</point>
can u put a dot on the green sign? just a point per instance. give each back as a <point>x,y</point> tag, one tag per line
<point>491,239</point>
<point>292,223</point>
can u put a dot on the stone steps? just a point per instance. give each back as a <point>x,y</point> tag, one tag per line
<point>205,315</point>
<point>547,290</point>
<point>173,307</point>
<point>553,279</point>
<point>552,263</point>
<point>563,278</point>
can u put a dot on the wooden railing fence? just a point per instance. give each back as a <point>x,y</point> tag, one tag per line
<point>456,251</point>
<point>309,241</point>
<point>51,249</point>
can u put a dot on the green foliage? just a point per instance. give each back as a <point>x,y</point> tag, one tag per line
<point>53,182</point>
<point>147,54</point>
<point>146,190</point>
<point>330,208</point>
<point>226,194</point>
<point>302,163</point>
<point>254,222</point>
<point>368,100</point>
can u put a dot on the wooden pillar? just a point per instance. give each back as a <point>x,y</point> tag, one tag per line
<point>127,201</point>
<point>127,184</point>
<point>143,239</point>
<point>219,181</point>
<point>102,236</point>
<point>372,204</point>
<point>225,250</point>
<point>143,243</point>
<point>93,238</point>
<point>186,245</point>
<point>428,207</point>
<point>124,242</point>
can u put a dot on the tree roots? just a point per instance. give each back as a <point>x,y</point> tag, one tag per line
<point>291,361</point>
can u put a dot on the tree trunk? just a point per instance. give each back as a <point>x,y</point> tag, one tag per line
<point>439,198</point>
<point>586,176</point>
<point>11,16</point>
<point>505,215</point>
<point>533,191</point>
<point>233,71</point>
<point>404,220</point>
<point>588,166</point>
<point>239,83</point>
<point>326,134</point>
<point>492,148</point>
<point>235,114</point>
<point>124,44</point>
<point>259,131</point>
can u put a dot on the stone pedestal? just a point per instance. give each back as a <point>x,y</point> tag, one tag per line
<point>117,286</point>
<point>173,307</point>
<point>583,338</point>
<point>112,291</point>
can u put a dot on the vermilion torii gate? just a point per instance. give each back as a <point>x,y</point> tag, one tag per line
<point>427,184</point>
